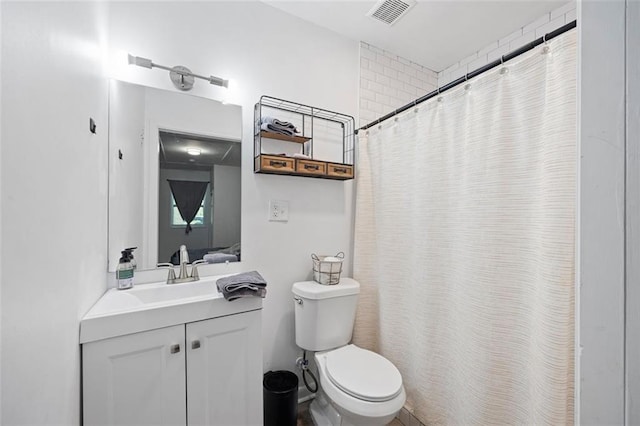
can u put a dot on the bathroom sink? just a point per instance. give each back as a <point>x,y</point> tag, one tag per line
<point>167,293</point>
<point>156,305</point>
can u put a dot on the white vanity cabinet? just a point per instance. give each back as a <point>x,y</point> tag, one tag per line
<point>135,379</point>
<point>224,370</point>
<point>206,372</point>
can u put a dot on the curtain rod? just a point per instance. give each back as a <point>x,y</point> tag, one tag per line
<point>454,83</point>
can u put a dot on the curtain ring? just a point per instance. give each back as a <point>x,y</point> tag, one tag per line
<point>545,49</point>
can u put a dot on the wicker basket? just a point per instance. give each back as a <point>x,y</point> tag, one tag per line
<point>327,272</point>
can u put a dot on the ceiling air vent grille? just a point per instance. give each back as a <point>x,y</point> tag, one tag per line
<point>389,11</point>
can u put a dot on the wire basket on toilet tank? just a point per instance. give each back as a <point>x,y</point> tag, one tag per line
<point>327,269</point>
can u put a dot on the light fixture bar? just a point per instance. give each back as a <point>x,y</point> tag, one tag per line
<point>182,71</point>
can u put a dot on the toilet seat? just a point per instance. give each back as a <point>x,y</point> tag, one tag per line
<point>363,374</point>
<point>356,409</point>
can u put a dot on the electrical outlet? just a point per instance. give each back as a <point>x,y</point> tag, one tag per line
<point>278,211</point>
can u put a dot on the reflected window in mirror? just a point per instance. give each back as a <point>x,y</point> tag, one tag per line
<point>199,179</point>
<point>178,222</point>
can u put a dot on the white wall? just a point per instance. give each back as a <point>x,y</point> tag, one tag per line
<point>126,175</point>
<point>536,29</point>
<point>227,202</point>
<point>633,215</point>
<point>54,223</point>
<point>238,40</point>
<point>52,84</point>
<point>0,220</point>
<point>601,268</point>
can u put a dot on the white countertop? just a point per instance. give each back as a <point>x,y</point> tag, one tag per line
<point>150,306</point>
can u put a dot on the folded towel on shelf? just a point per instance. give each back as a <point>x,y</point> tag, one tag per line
<point>246,284</point>
<point>303,156</point>
<point>219,257</point>
<point>277,129</point>
<point>279,123</point>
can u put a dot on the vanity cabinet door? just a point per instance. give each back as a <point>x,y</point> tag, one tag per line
<point>224,370</point>
<point>137,379</point>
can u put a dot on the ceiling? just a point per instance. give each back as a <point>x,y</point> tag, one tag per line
<point>435,34</point>
<point>173,152</point>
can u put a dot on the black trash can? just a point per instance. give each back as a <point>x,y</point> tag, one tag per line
<point>280,394</point>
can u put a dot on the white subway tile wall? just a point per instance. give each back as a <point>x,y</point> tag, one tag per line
<point>388,82</point>
<point>545,24</point>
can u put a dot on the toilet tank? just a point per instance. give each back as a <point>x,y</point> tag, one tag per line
<point>324,314</point>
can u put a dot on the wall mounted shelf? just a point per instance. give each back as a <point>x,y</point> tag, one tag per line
<point>272,135</point>
<point>325,138</point>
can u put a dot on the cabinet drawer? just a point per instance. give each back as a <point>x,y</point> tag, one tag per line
<point>340,170</point>
<point>311,167</point>
<point>277,164</point>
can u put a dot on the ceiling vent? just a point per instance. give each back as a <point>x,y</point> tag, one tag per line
<point>389,11</point>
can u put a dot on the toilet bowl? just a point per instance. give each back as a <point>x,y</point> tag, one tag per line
<point>358,387</point>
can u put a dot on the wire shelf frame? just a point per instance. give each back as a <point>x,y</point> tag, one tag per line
<point>314,124</point>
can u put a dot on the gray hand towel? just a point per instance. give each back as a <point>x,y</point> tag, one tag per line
<point>237,294</point>
<point>242,285</point>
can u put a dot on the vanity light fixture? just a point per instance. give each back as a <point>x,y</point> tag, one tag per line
<point>182,77</point>
<point>194,151</point>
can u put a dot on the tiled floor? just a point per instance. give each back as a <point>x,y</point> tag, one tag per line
<point>304,417</point>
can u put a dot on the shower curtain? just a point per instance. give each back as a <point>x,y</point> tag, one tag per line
<point>464,244</point>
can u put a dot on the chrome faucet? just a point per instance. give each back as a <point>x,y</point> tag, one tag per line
<point>184,276</point>
<point>184,259</point>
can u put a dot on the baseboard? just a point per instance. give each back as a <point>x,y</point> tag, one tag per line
<point>304,395</point>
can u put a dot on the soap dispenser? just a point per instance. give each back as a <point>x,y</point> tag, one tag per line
<point>131,259</point>
<point>124,271</point>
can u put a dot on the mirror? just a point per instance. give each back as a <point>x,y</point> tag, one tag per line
<point>173,158</point>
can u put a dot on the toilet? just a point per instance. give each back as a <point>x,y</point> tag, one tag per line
<point>357,387</point>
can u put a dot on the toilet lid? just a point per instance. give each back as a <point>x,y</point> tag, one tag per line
<point>363,374</point>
